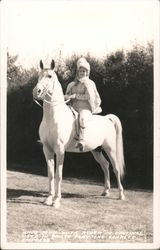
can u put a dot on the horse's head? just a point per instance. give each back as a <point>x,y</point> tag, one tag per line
<point>46,80</point>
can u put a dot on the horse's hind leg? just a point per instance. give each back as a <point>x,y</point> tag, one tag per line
<point>112,156</point>
<point>50,164</point>
<point>99,157</point>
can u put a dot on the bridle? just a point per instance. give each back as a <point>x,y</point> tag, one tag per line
<point>45,93</point>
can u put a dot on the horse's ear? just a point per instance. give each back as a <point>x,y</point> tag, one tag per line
<point>41,64</point>
<point>52,64</point>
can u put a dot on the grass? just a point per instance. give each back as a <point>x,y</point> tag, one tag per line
<point>84,215</point>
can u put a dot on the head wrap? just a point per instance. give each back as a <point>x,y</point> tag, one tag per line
<point>82,62</point>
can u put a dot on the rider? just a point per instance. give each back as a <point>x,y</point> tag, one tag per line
<point>84,97</point>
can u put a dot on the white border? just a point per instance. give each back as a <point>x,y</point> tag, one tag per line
<point>156,201</point>
<point>3,93</point>
<point>156,243</point>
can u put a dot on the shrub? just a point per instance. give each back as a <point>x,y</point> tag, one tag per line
<point>125,83</point>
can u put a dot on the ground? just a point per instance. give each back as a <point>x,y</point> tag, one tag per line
<point>84,215</point>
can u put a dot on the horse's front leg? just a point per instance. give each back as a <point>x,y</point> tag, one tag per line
<point>59,174</point>
<point>50,164</point>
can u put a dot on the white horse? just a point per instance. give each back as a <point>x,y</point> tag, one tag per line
<point>57,133</point>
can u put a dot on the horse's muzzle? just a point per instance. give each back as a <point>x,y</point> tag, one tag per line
<point>37,93</point>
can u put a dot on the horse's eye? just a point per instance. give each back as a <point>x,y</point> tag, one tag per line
<point>49,76</point>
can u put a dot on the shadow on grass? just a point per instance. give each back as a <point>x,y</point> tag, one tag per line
<point>16,193</point>
<point>75,195</point>
<point>14,196</point>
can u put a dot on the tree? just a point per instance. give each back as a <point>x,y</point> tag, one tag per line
<point>21,112</point>
<point>125,83</point>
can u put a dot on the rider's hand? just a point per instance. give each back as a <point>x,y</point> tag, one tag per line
<point>72,96</point>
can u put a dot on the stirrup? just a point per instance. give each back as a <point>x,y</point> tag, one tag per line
<point>80,145</point>
<point>76,137</point>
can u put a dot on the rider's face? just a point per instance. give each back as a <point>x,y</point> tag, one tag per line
<point>82,72</point>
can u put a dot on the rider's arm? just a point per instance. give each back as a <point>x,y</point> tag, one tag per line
<point>66,97</point>
<point>68,94</point>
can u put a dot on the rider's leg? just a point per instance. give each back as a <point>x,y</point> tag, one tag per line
<point>84,118</point>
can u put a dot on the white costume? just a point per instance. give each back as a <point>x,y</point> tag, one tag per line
<point>87,100</point>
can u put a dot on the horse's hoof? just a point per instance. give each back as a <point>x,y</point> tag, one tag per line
<point>105,194</point>
<point>49,201</point>
<point>56,203</point>
<point>122,197</point>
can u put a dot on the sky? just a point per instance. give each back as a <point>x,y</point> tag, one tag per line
<point>41,29</point>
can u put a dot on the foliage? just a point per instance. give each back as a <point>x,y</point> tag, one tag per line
<point>21,112</point>
<point>124,80</point>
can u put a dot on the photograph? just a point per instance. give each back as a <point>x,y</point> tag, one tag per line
<point>80,124</point>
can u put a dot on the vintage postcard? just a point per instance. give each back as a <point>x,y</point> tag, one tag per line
<point>80,124</point>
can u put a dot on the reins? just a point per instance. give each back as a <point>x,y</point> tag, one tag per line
<point>51,103</point>
<point>44,94</point>
<point>37,103</point>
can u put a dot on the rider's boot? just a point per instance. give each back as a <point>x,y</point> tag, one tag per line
<point>81,143</point>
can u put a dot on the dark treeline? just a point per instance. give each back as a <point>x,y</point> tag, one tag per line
<point>125,83</point>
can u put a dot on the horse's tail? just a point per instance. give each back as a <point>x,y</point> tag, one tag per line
<point>119,143</point>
